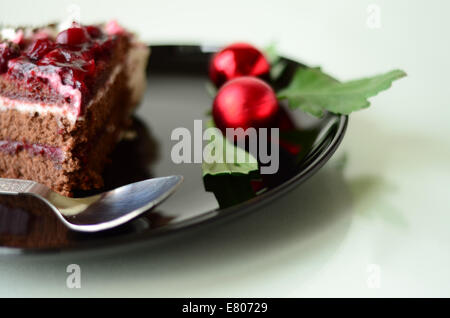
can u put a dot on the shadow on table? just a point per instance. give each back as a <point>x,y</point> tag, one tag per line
<point>307,224</point>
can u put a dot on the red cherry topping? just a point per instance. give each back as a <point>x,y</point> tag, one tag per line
<point>93,31</point>
<point>8,51</point>
<point>39,48</point>
<point>72,36</point>
<point>89,67</point>
<point>76,55</point>
<point>54,57</point>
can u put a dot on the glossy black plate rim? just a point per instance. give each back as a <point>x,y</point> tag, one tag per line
<point>216,215</point>
<point>274,193</point>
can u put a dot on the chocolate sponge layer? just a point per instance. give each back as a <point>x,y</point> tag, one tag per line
<point>85,146</point>
<point>78,170</point>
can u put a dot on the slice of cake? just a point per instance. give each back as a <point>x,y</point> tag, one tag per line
<point>65,97</point>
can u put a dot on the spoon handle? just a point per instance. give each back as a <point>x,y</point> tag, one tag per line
<point>16,186</point>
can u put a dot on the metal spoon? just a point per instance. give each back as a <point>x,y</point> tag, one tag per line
<point>99,212</point>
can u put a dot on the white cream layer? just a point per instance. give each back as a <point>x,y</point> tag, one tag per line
<point>61,110</point>
<point>33,107</point>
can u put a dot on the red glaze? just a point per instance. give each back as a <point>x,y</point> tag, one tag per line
<point>72,36</point>
<point>245,102</point>
<point>75,48</point>
<point>236,60</point>
<point>93,31</point>
<point>39,48</point>
<point>76,55</point>
<point>8,51</point>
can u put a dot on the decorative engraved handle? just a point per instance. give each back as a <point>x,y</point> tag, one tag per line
<point>14,186</point>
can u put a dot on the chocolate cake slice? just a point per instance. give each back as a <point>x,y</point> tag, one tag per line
<point>65,97</point>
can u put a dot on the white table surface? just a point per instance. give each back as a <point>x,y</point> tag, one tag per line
<point>388,206</point>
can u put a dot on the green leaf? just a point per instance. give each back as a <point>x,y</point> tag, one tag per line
<point>315,92</point>
<point>211,89</point>
<point>229,189</point>
<point>271,53</point>
<point>277,69</point>
<point>230,181</point>
<point>277,64</point>
<point>225,157</point>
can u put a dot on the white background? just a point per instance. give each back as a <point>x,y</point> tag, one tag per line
<point>389,205</point>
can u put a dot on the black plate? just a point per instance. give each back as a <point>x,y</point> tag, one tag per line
<point>175,97</point>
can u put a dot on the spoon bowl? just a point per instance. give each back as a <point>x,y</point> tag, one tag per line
<point>102,211</point>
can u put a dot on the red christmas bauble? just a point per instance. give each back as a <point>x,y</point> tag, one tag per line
<point>236,60</point>
<point>245,102</point>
